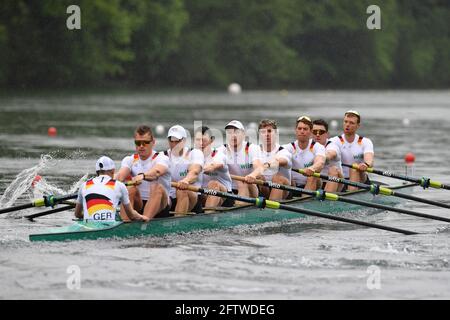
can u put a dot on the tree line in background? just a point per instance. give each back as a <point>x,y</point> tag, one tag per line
<point>210,43</point>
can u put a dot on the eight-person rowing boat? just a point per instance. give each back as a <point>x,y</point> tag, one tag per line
<point>188,188</point>
<point>217,218</point>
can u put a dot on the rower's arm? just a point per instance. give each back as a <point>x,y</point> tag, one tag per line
<point>368,158</point>
<point>193,173</point>
<point>123,173</point>
<point>319,162</point>
<point>282,162</point>
<point>79,203</point>
<point>79,210</point>
<point>133,214</point>
<point>213,167</point>
<point>331,154</point>
<point>259,169</point>
<point>155,172</point>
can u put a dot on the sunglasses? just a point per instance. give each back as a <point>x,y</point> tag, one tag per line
<point>139,143</point>
<point>318,132</point>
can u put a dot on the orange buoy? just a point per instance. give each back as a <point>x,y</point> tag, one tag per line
<point>52,132</point>
<point>410,158</point>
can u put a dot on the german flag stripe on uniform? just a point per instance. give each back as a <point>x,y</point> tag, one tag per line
<point>360,140</point>
<point>293,146</point>
<point>96,196</point>
<point>311,147</point>
<point>111,184</point>
<point>135,158</point>
<point>96,202</point>
<point>89,183</point>
<point>342,139</point>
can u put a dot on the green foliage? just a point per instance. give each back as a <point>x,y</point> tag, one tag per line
<point>156,37</point>
<point>268,44</point>
<point>3,50</point>
<point>43,52</point>
<point>423,59</point>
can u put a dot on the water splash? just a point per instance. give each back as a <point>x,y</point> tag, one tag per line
<point>78,184</point>
<point>23,181</point>
<point>25,184</point>
<point>42,187</point>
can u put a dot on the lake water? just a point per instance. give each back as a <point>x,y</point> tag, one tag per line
<point>307,258</point>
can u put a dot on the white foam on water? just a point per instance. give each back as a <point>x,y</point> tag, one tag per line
<point>390,249</point>
<point>23,184</point>
<point>23,181</point>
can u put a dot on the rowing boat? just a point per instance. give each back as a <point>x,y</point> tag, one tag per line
<point>219,218</point>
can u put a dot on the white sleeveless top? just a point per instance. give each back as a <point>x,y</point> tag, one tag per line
<point>138,166</point>
<point>303,158</point>
<point>100,198</point>
<point>353,152</point>
<point>221,175</point>
<point>240,162</point>
<point>336,162</point>
<point>179,166</point>
<point>277,152</point>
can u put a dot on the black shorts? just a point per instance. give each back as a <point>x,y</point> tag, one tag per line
<point>164,213</point>
<point>197,208</point>
<point>229,202</point>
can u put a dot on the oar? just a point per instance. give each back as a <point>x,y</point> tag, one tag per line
<point>45,213</point>
<point>423,182</point>
<point>264,203</point>
<point>47,201</point>
<point>322,195</point>
<point>376,189</point>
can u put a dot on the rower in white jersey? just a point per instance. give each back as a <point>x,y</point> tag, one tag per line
<point>99,197</point>
<point>186,166</point>
<point>333,165</point>
<point>355,149</point>
<point>306,154</point>
<point>215,171</point>
<point>243,159</point>
<point>277,161</point>
<point>149,170</point>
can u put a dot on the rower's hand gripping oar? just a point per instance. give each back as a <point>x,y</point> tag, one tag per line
<point>46,201</point>
<point>376,189</point>
<point>423,182</point>
<point>322,195</point>
<point>262,203</point>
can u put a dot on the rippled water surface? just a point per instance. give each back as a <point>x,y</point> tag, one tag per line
<point>299,259</point>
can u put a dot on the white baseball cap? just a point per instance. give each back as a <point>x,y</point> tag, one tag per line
<point>235,124</point>
<point>177,132</point>
<point>356,113</point>
<point>105,163</point>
